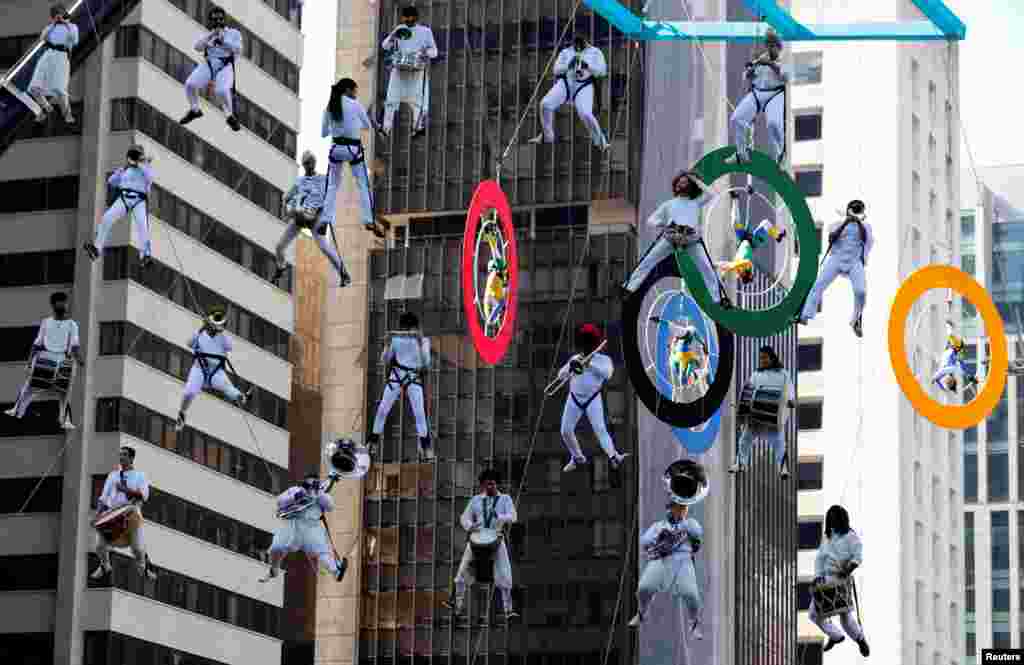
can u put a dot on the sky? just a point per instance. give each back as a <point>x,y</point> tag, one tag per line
<point>991,74</point>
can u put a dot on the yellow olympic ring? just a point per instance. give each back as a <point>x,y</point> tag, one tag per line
<point>948,416</point>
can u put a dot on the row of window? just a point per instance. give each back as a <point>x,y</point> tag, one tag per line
<point>134,114</point>
<point>109,648</point>
<point>253,48</point>
<point>123,263</point>
<point>191,595</point>
<point>39,420</point>
<point>217,236</point>
<point>54,126</point>
<point>119,414</point>
<point>41,497</point>
<point>809,357</point>
<point>119,338</point>
<point>36,194</point>
<point>27,648</point>
<point>37,268</point>
<point>198,521</point>
<point>28,572</point>
<point>135,41</point>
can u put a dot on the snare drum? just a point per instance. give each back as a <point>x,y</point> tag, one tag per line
<point>832,599</point>
<point>51,374</point>
<point>118,524</point>
<point>305,218</point>
<point>484,544</point>
<point>764,406</point>
<point>408,62</point>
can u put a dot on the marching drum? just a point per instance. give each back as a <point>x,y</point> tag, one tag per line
<point>116,525</point>
<point>832,599</point>
<point>50,374</point>
<point>765,405</point>
<point>408,62</point>
<point>484,544</point>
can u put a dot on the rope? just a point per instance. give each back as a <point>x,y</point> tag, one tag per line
<point>707,63</point>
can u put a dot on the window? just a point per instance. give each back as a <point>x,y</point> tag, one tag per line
<point>809,415</point>
<point>39,420</point>
<point>28,572</point>
<point>810,182</point>
<point>27,648</point>
<point>999,451</point>
<point>810,475</point>
<point>803,596</point>
<point>807,126</point>
<point>809,357</point>
<point>103,648</point>
<point>971,465</point>
<point>58,193</point>
<point>46,499</point>
<point>809,653</point>
<point>808,67</point>
<point>809,534</point>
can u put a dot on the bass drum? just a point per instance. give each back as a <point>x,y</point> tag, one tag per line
<point>833,599</point>
<point>484,544</point>
<point>764,405</point>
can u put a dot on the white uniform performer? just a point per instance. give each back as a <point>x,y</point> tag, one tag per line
<point>408,86</point>
<point>132,184</point>
<point>671,545</point>
<point>770,372</point>
<point>210,348</point>
<point>53,69</point>
<point>680,222</point>
<point>952,368</point>
<point>575,71</point>
<point>406,357</point>
<point>490,509</point>
<point>767,95</point>
<point>345,120</point>
<point>850,243</point>
<point>57,338</point>
<point>122,487</point>
<point>585,397</point>
<point>839,555</point>
<point>219,47</point>
<point>304,530</point>
<point>307,194</point>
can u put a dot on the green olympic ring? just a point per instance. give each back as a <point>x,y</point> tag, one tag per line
<point>710,168</point>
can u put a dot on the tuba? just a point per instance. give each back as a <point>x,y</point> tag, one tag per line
<point>346,458</point>
<point>687,482</point>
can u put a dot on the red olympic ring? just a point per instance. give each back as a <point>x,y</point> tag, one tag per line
<point>488,195</point>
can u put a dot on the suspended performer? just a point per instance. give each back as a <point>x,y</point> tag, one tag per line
<point>849,245</point>
<point>131,184</point>
<point>768,390</point>
<point>407,357</point>
<point>485,518</point>
<point>210,348</point>
<point>587,371</point>
<point>497,282</point>
<point>671,545</point>
<point>837,558</point>
<point>56,340</point>
<point>53,68</point>
<point>125,486</point>
<point>412,47</point>
<point>220,46</point>
<point>344,121</point>
<point>576,69</point>
<point>303,206</point>
<point>688,354</point>
<point>953,365</point>
<point>742,263</point>
<point>680,225</point>
<point>302,508</point>
<point>767,95</point>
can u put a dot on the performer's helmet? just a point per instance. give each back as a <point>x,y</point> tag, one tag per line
<point>344,457</point>
<point>217,316</point>
<point>588,337</point>
<point>216,15</point>
<point>686,481</point>
<point>58,9</point>
<point>128,451</point>
<point>307,157</point>
<point>856,209</point>
<point>488,475</point>
<point>135,153</point>
<point>408,321</point>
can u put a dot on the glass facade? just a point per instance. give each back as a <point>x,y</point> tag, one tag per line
<point>1007,286</point>
<point>571,546</point>
<point>1000,579</point>
<point>492,54</point>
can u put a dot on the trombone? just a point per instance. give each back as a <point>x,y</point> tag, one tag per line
<point>561,380</point>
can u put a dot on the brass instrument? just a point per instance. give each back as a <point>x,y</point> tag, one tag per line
<point>560,381</point>
<point>663,547</point>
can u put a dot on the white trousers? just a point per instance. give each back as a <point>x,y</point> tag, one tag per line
<point>392,391</point>
<point>50,79</point>
<point>140,223</point>
<point>579,95</point>
<point>773,105</point>
<point>502,575</point>
<point>834,266</point>
<point>663,248</point>
<point>219,382</point>
<point>675,575</point>
<point>326,245</point>
<point>848,620</point>
<point>338,157</point>
<point>28,393</point>
<point>136,543</point>
<point>223,84</point>
<point>307,536</point>
<point>412,88</point>
<point>595,414</point>
<point>764,434</point>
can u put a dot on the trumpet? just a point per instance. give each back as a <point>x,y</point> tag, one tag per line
<point>560,381</point>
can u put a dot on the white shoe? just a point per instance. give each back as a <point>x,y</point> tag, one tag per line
<point>571,466</point>
<point>537,140</point>
<point>67,424</point>
<point>737,468</point>
<point>100,572</point>
<point>636,620</point>
<point>271,574</point>
<point>617,461</point>
<point>12,412</point>
<point>180,423</point>
<point>696,631</point>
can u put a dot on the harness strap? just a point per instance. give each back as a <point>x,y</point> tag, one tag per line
<point>413,376</point>
<point>761,106</point>
<point>56,47</point>
<point>204,363</point>
<point>229,60</point>
<point>571,96</point>
<point>839,233</point>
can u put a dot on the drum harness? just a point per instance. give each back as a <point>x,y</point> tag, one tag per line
<point>413,375</point>
<point>204,360</point>
<point>33,359</point>
<point>228,60</point>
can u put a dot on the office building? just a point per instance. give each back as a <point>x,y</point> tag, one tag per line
<point>213,213</point>
<point>861,443</point>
